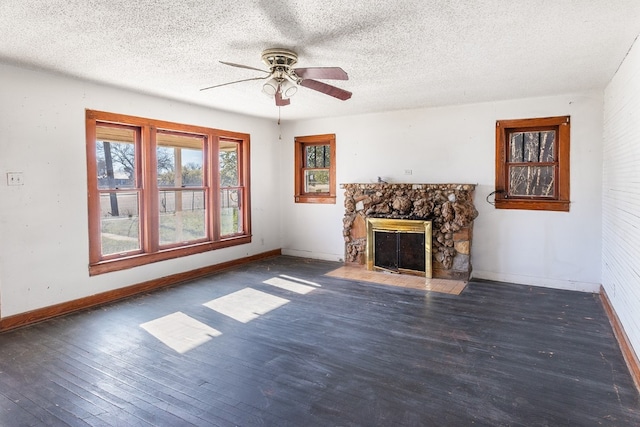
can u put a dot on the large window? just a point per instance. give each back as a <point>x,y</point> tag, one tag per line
<point>160,190</point>
<point>315,173</point>
<point>532,164</point>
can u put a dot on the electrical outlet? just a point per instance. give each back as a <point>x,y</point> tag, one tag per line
<point>408,172</point>
<point>15,178</point>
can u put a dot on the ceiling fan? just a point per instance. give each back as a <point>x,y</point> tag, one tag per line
<point>283,79</point>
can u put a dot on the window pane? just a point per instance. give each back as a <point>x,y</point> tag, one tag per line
<point>531,181</point>
<point>311,156</point>
<point>327,156</point>
<point>547,146</point>
<point>316,181</point>
<point>180,160</point>
<point>115,155</point>
<point>318,156</point>
<point>531,146</point>
<point>230,214</point>
<point>182,216</point>
<point>516,148</point>
<point>228,159</point>
<point>119,222</point>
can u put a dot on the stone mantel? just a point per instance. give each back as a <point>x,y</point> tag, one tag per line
<point>449,207</point>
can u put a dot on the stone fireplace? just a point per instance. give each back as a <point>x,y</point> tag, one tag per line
<point>448,208</point>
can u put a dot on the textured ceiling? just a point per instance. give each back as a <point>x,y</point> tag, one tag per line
<point>398,54</point>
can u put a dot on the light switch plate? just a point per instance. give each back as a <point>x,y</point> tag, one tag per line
<point>15,178</point>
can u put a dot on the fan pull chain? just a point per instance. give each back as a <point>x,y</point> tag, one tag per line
<point>279,129</point>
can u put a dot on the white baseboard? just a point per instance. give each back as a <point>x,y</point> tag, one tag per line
<point>544,282</point>
<point>313,255</point>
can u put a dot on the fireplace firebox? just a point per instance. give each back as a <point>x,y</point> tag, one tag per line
<point>399,252</point>
<point>399,246</point>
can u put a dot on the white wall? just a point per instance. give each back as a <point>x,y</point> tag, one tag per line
<point>457,144</point>
<point>621,195</point>
<point>43,224</point>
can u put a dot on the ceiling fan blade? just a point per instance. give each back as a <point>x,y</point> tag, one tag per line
<point>237,81</point>
<point>244,66</point>
<point>331,73</point>
<point>336,92</point>
<point>280,102</point>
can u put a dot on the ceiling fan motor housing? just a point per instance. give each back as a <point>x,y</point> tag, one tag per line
<point>280,61</point>
<point>279,58</point>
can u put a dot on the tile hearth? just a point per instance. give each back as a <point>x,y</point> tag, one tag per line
<point>360,273</point>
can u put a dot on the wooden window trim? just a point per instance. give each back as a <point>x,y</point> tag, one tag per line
<point>559,203</point>
<point>243,181</point>
<point>300,143</point>
<point>149,217</point>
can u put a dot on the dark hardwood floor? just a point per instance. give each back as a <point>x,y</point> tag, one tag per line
<point>280,344</point>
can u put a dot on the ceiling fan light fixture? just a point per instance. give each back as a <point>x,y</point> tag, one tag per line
<point>270,87</point>
<point>287,89</point>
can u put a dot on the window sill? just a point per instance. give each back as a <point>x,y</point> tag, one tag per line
<point>316,199</point>
<point>536,205</point>
<point>163,255</point>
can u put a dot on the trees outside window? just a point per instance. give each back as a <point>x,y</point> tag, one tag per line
<point>160,190</point>
<point>315,169</point>
<point>532,164</point>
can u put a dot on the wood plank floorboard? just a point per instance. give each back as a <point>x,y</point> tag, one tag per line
<point>337,353</point>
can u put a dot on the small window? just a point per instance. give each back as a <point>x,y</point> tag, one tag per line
<point>532,164</point>
<point>315,171</point>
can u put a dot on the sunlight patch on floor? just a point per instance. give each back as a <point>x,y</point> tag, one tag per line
<point>301,280</point>
<point>289,285</point>
<point>246,304</point>
<point>180,332</point>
